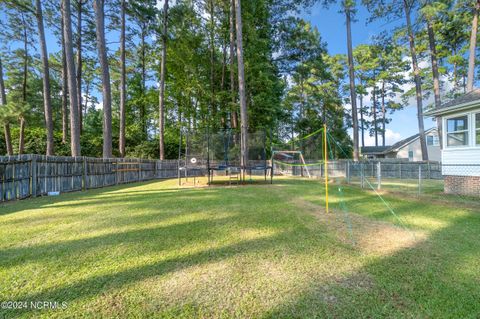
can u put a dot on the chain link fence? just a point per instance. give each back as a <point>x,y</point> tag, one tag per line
<point>409,178</point>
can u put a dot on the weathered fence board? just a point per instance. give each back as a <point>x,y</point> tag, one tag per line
<point>36,175</point>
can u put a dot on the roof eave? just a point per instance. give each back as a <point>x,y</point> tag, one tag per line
<point>452,109</point>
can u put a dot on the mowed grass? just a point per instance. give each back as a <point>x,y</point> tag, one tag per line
<point>257,251</point>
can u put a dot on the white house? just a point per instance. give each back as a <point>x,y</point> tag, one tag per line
<point>407,149</point>
<point>461,143</point>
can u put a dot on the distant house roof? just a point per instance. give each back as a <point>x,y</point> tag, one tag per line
<point>372,150</point>
<point>376,150</point>
<point>395,147</point>
<point>465,101</point>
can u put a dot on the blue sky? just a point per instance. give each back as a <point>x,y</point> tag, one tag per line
<point>331,25</point>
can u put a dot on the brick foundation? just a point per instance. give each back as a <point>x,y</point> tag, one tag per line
<point>463,185</point>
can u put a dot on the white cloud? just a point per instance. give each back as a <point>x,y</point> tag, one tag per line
<point>391,137</point>
<point>160,3</point>
<point>96,105</point>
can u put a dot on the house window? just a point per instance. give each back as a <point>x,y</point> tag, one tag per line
<point>477,128</point>
<point>432,140</point>
<point>457,131</point>
<point>410,155</point>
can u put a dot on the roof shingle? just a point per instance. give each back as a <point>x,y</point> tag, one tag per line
<point>471,96</point>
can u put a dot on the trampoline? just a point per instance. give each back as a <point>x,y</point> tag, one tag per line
<point>211,153</point>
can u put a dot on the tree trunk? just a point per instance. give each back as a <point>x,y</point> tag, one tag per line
<point>143,112</point>
<point>234,115</point>
<point>79,63</point>
<point>72,87</point>
<point>98,6</point>
<point>21,139</point>
<point>161,104</point>
<point>241,86</point>
<point>418,83</point>
<point>46,79</point>
<point>87,94</point>
<point>374,111</point>
<point>384,114</point>
<point>435,75</point>
<point>473,48</point>
<point>64,89</point>
<point>8,138</point>
<point>455,72</point>
<point>222,84</point>
<point>302,110</point>
<point>353,97</point>
<point>123,83</point>
<point>6,125</point>
<point>362,122</point>
<point>433,56</point>
<point>212,62</point>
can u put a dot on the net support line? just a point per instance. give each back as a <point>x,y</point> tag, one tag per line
<point>346,216</point>
<point>402,223</point>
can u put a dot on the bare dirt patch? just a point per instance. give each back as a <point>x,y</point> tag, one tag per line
<point>370,236</point>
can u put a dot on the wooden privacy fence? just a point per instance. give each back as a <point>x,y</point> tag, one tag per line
<point>25,176</point>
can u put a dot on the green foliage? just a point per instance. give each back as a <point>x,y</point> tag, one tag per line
<point>313,91</point>
<point>35,141</point>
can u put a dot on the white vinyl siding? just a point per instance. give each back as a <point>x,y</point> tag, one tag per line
<point>434,152</point>
<point>453,159</point>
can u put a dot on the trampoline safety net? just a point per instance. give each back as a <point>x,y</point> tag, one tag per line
<point>205,152</point>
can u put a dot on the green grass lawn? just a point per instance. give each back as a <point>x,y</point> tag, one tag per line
<point>256,251</point>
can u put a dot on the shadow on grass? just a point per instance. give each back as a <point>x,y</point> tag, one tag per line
<point>101,283</point>
<point>138,209</point>
<point>164,238</point>
<point>118,192</point>
<point>437,278</point>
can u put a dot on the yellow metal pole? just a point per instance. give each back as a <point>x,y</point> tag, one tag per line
<point>325,163</point>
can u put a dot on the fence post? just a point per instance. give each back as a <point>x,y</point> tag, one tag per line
<point>34,176</point>
<point>400,170</point>
<point>116,171</point>
<point>379,175</point>
<point>84,175</point>
<point>419,179</point>
<point>348,172</point>
<point>362,175</point>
